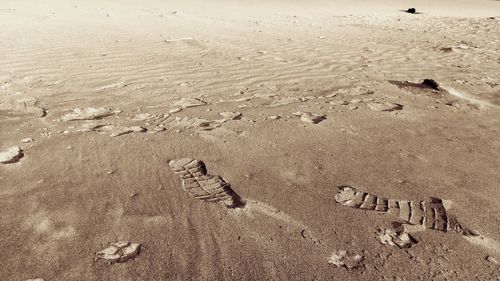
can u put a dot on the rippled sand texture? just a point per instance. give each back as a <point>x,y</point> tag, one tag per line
<point>285,101</point>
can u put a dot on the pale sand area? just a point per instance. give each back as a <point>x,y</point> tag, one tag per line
<point>76,189</point>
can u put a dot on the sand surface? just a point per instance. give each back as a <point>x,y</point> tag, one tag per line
<point>285,100</point>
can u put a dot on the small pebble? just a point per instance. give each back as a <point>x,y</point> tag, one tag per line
<point>491,259</point>
<point>120,251</point>
<point>231,115</point>
<point>311,117</point>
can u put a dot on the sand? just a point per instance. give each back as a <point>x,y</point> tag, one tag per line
<point>283,102</point>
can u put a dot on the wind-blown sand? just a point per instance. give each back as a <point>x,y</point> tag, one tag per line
<point>286,101</point>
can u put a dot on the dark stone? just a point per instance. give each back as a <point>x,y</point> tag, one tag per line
<point>411,10</point>
<point>431,84</point>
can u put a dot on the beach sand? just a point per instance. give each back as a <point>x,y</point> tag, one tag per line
<point>285,100</point>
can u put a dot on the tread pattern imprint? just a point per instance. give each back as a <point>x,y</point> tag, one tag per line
<point>416,215</point>
<point>203,186</point>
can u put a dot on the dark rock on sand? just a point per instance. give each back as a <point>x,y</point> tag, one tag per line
<point>431,84</point>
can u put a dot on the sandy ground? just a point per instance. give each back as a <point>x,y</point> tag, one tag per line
<point>158,75</point>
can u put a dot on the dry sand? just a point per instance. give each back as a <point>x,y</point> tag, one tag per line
<point>285,100</point>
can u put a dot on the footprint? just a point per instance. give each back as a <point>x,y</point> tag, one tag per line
<point>426,84</point>
<point>349,260</point>
<point>192,123</point>
<point>120,251</point>
<point>387,106</point>
<point>212,188</point>
<point>203,186</point>
<point>392,238</point>
<point>22,103</point>
<point>309,117</point>
<point>434,89</point>
<point>416,215</point>
<point>116,131</point>
<point>189,102</point>
<point>11,155</point>
<point>89,113</point>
